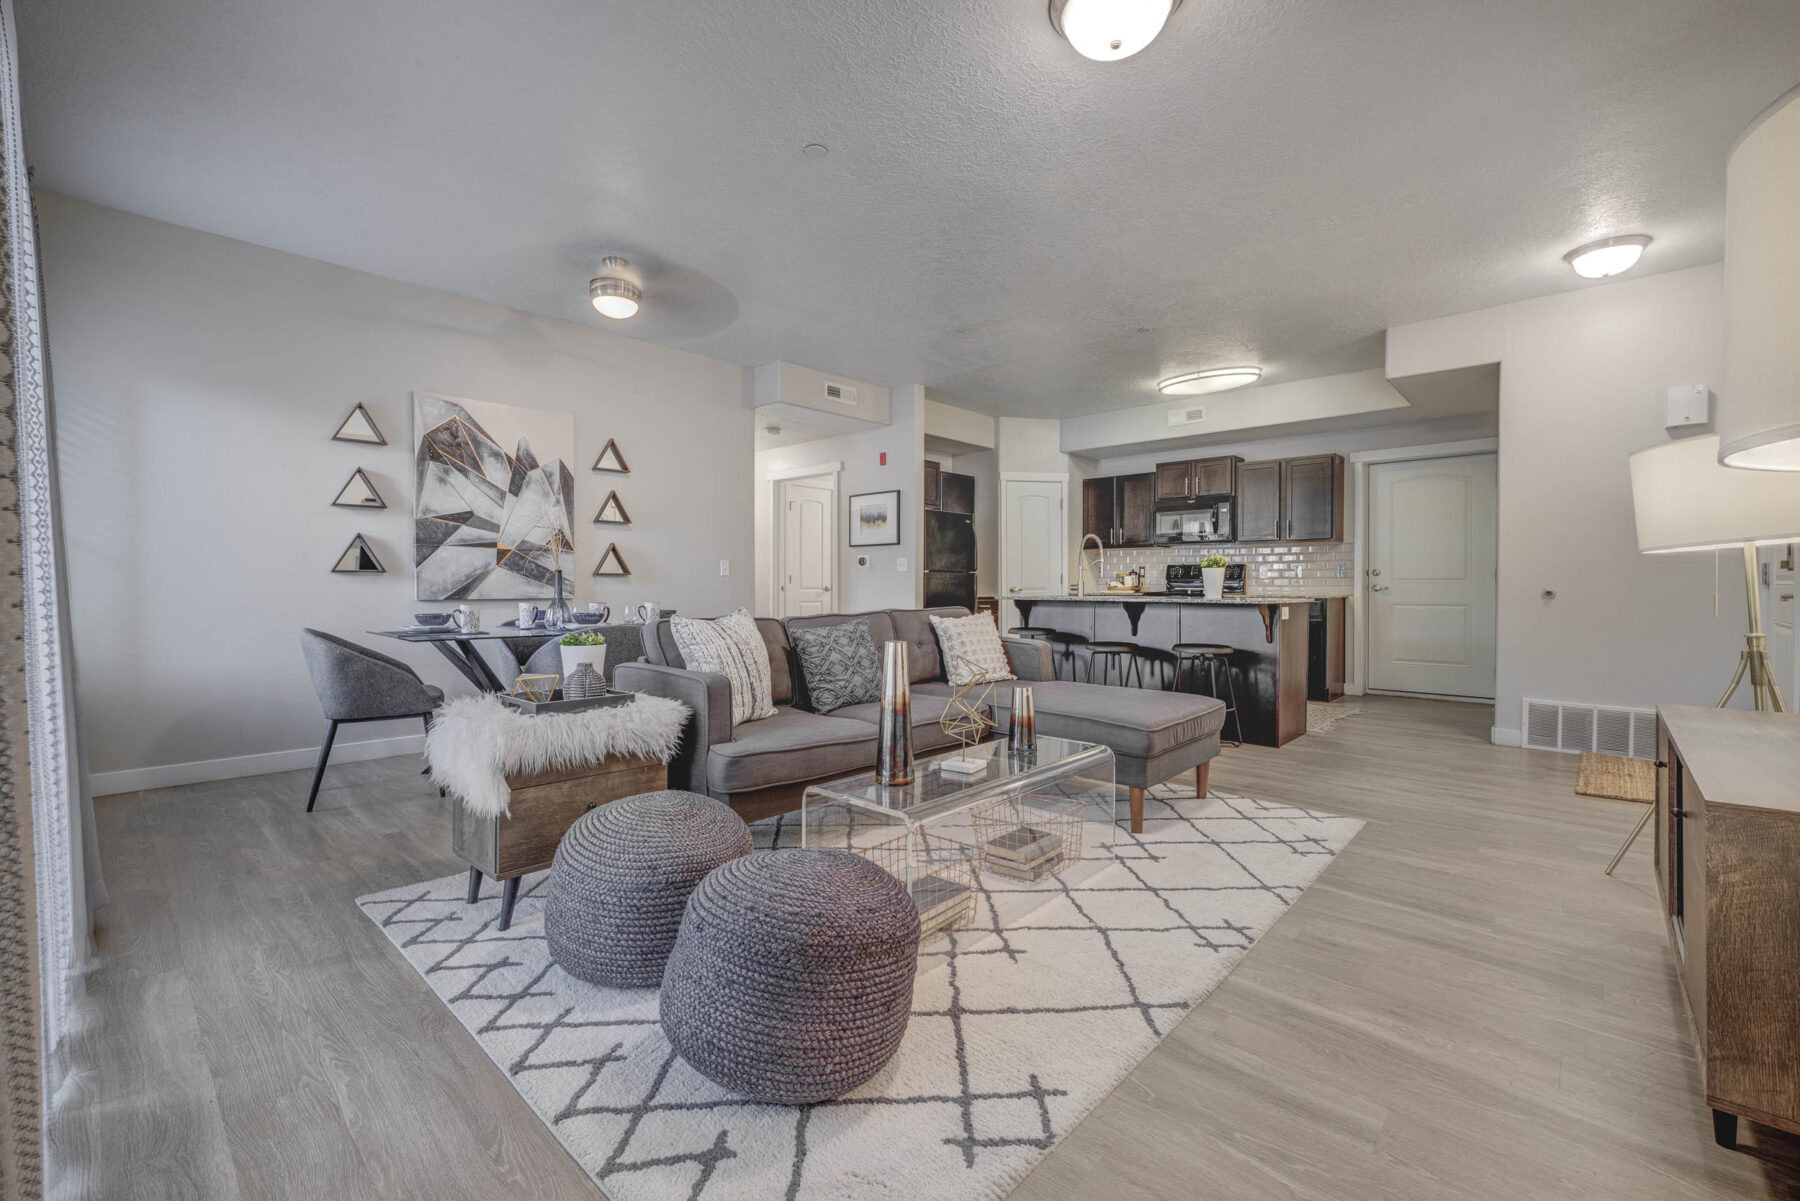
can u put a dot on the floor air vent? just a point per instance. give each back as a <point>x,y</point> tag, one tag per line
<point>1559,726</point>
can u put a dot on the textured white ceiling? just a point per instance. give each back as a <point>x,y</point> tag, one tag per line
<point>1009,224</point>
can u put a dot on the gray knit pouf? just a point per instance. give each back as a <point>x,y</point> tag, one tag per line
<point>621,879</point>
<point>792,978</point>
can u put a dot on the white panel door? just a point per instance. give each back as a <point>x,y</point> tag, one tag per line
<point>1432,548</point>
<point>1033,538</point>
<point>808,547</point>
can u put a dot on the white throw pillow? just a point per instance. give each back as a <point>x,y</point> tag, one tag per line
<point>971,649</point>
<point>732,647</point>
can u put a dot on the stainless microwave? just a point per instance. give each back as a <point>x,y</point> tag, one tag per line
<point>1208,523</point>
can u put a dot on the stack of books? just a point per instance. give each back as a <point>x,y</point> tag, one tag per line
<point>943,902</point>
<point>1024,853</point>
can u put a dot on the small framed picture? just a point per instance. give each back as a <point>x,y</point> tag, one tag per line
<point>875,519</point>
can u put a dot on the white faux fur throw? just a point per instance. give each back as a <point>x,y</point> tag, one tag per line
<point>476,742</point>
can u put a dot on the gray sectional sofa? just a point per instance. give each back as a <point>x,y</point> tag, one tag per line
<point>761,767</point>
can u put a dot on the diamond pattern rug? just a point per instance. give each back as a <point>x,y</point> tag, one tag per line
<point>1021,1023</point>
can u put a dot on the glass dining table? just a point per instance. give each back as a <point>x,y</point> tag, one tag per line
<point>624,643</point>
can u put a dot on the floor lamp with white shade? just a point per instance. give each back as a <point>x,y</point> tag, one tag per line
<point>1686,501</point>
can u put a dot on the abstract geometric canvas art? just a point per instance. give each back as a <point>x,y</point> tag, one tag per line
<point>494,499</point>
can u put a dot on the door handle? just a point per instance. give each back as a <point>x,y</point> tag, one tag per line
<point>1378,588</point>
<point>1786,596</point>
<point>826,588</point>
<point>1374,571</point>
<point>1015,588</point>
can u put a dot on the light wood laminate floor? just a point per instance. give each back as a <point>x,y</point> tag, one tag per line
<point>1462,1007</point>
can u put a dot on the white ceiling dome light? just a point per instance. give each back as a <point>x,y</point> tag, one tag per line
<point>1108,30</point>
<point>1608,256</point>
<point>613,295</point>
<point>1216,379</point>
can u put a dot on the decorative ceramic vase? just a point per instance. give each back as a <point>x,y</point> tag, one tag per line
<point>893,746</point>
<point>574,656</point>
<point>1213,580</point>
<point>583,682</point>
<point>1021,731</point>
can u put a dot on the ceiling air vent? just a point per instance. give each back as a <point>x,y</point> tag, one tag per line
<point>841,393</point>
<point>1192,415</point>
<point>1561,726</point>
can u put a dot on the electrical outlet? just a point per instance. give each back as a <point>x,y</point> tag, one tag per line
<point>724,566</point>
<point>900,564</point>
<point>1343,571</point>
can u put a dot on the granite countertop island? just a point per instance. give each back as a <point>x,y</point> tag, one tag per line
<point>1267,637</point>
<point>1161,598</point>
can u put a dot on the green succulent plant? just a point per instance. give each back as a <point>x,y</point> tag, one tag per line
<point>584,638</point>
<point>1214,560</point>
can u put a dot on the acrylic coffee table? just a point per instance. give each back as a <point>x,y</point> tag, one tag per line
<point>934,832</point>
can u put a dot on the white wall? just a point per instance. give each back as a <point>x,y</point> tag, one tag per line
<point>1582,382</point>
<point>893,578</point>
<point>198,381</point>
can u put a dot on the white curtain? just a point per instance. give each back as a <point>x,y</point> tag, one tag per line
<point>60,817</point>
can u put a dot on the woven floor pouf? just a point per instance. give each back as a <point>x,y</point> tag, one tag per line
<point>621,880</point>
<point>792,978</point>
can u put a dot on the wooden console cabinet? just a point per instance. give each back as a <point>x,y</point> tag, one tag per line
<point>1728,869</point>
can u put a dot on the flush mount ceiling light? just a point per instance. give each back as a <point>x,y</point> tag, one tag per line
<point>1218,379</point>
<point>1108,30</point>
<point>613,295</point>
<point>1608,256</point>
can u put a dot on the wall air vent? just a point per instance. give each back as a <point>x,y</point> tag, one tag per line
<point>1561,726</point>
<point>843,394</point>
<point>1189,415</point>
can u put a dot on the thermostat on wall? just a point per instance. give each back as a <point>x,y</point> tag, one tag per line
<point>862,560</point>
<point>1690,405</point>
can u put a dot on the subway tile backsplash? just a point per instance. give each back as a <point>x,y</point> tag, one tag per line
<point>1270,569</point>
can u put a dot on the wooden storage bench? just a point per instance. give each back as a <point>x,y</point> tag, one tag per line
<point>544,806</point>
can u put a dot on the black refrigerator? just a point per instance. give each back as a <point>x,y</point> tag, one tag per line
<point>949,559</point>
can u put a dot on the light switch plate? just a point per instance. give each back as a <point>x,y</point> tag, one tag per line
<point>900,564</point>
<point>724,566</point>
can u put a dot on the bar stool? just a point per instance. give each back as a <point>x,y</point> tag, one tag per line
<point>1211,657</point>
<point>1068,642</point>
<point>1121,656</point>
<point>1163,660</point>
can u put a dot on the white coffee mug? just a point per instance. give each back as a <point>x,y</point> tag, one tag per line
<point>601,611</point>
<point>468,618</point>
<point>647,612</point>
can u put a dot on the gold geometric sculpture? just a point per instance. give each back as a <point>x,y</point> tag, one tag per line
<point>968,715</point>
<point>536,688</point>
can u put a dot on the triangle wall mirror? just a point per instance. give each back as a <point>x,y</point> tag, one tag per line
<point>611,459</point>
<point>612,511</point>
<point>359,492</point>
<point>358,559</point>
<point>612,562</point>
<point>359,427</point>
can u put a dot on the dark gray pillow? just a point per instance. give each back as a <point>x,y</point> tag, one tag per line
<point>840,665</point>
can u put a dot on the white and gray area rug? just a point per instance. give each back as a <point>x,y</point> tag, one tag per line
<point>1320,716</point>
<point>1021,1024</point>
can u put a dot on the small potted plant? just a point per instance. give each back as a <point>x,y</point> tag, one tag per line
<point>1212,575</point>
<point>583,646</point>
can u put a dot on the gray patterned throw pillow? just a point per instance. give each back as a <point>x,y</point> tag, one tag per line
<point>840,665</point>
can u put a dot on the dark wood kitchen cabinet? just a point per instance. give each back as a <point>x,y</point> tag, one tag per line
<point>1193,478</point>
<point>1313,494</point>
<point>933,484</point>
<point>1259,501</point>
<point>1120,510</point>
<point>956,492</point>
<point>1291,500</point>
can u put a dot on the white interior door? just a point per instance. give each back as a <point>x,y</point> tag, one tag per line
<point>808,547</point>
<point>1033,537</point>
<point>1431,556</point>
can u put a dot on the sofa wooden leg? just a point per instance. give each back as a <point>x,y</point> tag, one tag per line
<point>1137,810</point>
<point>1202,779</point>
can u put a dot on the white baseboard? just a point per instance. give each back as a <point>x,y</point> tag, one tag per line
<point>1501,736</point>
<point>136,779</point>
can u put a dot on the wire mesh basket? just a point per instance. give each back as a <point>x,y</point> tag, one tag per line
<point>1029,836</point>
<point>939,872</point>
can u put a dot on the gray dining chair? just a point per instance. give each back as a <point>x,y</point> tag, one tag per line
<point>355,684</point>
